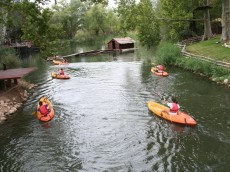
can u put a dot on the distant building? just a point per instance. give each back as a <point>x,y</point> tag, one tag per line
<point>121,43</point>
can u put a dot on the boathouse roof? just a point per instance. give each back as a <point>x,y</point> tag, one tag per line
<point>126,40</point>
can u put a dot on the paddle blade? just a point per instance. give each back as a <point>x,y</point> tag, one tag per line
<point>34,113</point>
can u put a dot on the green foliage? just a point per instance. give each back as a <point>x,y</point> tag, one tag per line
<point>167,53</point>
<point>99,20</point>
<point>8,56</point>
<point>95,19</point>
<point>148,27</point>
<point>69,18</point>
<point>174,9</point>
<point>203,67</point>
<point>104,2</point>
<point>219,71</point>
<point>127,10</point>
<point>209,48</point>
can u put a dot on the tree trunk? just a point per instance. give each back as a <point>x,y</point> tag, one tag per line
<point>207,24</point>
<point>225,23</point>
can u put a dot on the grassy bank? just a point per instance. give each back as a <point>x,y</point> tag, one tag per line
<point>210,48</point>
<point>169,54</point>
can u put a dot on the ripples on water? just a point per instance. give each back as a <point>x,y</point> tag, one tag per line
<point>102,124</point>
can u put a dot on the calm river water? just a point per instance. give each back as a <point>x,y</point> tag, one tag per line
<point>102,122</point>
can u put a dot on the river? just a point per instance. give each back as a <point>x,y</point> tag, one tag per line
<point>102,122</point>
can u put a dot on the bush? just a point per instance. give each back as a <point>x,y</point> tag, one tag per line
<point>167,54</point>
<point>207,68</point>
<point>219,71</point>
<point>8,56</point>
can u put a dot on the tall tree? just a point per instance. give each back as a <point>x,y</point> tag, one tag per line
<point>69,16</point>
<point>95,19</point>
<point>147,24</point>
<point>225,21</point>
<point>207,23</point>
<point>170,12</point>
<point>127,14</point>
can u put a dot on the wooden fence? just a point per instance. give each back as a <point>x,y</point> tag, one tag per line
<point>208,59</point>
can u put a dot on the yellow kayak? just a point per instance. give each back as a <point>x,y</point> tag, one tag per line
<point>50,115</point>
<point>57,62</point>
<point>57,76</point>
<point>154,71</point>
<point>180,118</point>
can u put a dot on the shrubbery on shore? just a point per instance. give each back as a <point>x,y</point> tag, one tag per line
<point>9,57</point>
<point>170,54</point>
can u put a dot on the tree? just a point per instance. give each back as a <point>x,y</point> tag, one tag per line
<point>225,21</point>
<point>95,19</point>
<point>104,2</point>
<point>207,23</point>
<point>170,10</point>
<point>69,16</point>
<point>127,15</point>
<point>148,26</point>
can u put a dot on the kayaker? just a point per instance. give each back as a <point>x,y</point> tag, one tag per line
<point>43,109</point>
<point>65,61</point>
<point>62,72</point>
<point>160,68</point>
<point>173,107</point>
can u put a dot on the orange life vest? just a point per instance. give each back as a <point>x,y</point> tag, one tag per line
<point>174,108</point>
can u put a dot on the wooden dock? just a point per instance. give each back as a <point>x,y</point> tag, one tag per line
<point>93,52</point>
<point>88,53</point>
<point>9,75</point>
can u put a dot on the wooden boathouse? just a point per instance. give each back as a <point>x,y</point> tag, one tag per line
<point>115,45</point>
<point>121,43</point>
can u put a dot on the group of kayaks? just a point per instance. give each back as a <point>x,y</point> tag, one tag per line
<point>56,75</point>
<point>160,110</point>
<point>156,108</point>
<point>45,100</point>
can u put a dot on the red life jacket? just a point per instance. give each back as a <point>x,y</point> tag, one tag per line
<point>62,72</point>
<point>43,110</point>
<point>174,108</point>
<point>160,67</point>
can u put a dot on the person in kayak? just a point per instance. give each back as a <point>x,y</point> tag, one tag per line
<point>61,72</point>
<point>43,108</point>
<point>173,107</point>
<point>160,68</point>
<point>65,61</point>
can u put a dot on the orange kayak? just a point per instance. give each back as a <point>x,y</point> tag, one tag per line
<point>50,115</point>
<point>57,76</point>
<point>56,62</point>
<point>154,71</point>
<point>180,118</point>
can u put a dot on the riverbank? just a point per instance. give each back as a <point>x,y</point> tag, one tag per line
<point>171,54</point>
<point>12,99</point>
<point>211,48</point>
<point>213,54</point>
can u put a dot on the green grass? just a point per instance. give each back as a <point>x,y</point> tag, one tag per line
<point>169,54</point>
<point>210,49</point>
